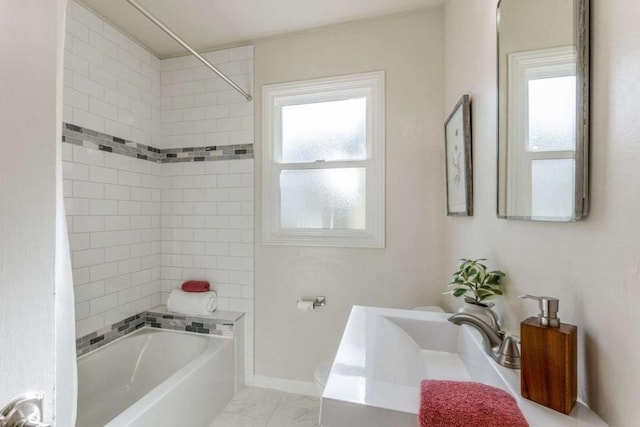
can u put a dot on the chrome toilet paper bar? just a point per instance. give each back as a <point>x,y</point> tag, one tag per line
<point>312,303</point>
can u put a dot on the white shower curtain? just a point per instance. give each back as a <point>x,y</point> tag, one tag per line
<point>66,381</point>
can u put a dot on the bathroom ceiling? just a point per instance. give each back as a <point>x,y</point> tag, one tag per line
<point>207,24</point>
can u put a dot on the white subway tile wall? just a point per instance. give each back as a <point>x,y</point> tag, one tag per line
<point>138,229</point>
<point>198,108</point>
<point>135,236</point>
<point>113,213</point>
<point>111,84</point>
<point>207,232</point>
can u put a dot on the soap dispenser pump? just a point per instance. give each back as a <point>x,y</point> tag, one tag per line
<point>549,367</point>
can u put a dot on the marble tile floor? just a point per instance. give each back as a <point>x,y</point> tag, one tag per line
<point>259,407</point>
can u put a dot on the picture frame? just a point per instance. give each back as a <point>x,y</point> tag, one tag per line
<point>459,172</point>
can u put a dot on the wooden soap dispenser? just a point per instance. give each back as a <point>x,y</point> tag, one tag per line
<point>548,373</point>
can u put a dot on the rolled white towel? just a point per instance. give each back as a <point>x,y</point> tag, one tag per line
<point>193,303</point>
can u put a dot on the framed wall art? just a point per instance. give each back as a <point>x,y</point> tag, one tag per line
<point>458,159</point>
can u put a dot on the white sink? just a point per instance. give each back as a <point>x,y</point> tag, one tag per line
<point>425,348</point>
<point>385,353</point>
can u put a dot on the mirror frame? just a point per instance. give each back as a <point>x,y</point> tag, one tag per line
<point>582,40</point>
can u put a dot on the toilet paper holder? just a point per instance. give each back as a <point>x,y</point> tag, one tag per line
<point>318,301</point>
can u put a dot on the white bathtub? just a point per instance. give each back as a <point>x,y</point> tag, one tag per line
<point>155,378</point>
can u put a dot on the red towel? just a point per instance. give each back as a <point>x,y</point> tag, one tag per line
<point>467,404</point>
<point>195,286</point>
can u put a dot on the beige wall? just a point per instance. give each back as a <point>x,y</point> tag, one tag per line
<point>289,343</point>
<point>593,266</point>
<point>527,25</point>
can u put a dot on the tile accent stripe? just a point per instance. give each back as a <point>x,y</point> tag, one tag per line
<point>189,324</point>
<point>97,339</point>
<point>88,138</point>
<point>154,319</point>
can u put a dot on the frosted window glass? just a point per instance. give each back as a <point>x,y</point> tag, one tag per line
<point>552,114</point>
<point>552,192</point>
<point>323,198</point>
<point>333,130</point>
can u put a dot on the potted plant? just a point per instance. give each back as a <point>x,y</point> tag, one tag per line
<point>477,285</point>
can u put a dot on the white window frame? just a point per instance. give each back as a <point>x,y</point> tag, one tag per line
<point>522,67</point>
<point>370,85</point>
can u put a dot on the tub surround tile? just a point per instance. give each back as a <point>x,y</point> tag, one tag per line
<point>108,334</point>
<point>109,89</point>
<point>222,325</point>
<point>220,316</point>
<point>94,140</point>
<point>210,326</point>
<point>141,118</point>
<point>189,324</point>
<point>140,228</point>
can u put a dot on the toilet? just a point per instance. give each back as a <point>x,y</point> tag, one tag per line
<point>321,373</point>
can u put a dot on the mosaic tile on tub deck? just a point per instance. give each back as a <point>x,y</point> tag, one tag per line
<point>91,139</point>
<point>216,324</point>
<point>212,326</point>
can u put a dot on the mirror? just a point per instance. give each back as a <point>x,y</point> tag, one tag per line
<point>543,129</point>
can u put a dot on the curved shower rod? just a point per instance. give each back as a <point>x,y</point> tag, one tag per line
<point>174,36</point>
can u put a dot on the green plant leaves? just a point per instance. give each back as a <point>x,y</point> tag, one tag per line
<point>473,280</point>
<point>458,292</point>
<point>483,293</point>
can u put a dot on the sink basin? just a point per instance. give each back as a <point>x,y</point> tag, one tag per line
<point>385,353</point>
<point>427,349</point>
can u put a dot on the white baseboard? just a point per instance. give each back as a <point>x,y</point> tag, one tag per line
<point>289,386</point>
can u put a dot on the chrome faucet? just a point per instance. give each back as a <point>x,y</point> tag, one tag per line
<point>504,350</point>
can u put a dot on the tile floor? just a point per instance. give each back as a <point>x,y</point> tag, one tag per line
<point>258,407</point>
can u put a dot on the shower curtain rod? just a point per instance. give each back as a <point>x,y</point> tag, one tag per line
<point>174,36</point>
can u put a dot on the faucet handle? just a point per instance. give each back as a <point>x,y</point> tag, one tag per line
<point>514,338</point>
<point>509,353</point>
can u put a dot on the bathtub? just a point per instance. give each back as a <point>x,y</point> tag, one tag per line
<point>155,378</point>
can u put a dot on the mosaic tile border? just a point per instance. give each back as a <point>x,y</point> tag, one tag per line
<point>88,138</point>
<point>189,324</point>
<point>154,319</point>
<point>104,336</point>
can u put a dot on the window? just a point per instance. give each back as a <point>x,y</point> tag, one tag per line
<point>542,84</point>
<point>323,162</point>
